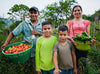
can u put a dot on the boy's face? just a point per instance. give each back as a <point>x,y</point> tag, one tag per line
<point>47,30</point>
<point>63,35</point>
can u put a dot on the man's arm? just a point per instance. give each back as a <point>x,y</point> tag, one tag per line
<point>74,62</point>
<point>10,37</point>
<point>34,32</point>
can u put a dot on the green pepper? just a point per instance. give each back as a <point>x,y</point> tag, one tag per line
<point>85,34</point>
<point>78,35</point>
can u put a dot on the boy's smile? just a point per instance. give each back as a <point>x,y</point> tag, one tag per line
<point>47,30</point>
<point>63,35</point>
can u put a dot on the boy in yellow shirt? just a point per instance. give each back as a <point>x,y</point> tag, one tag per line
<point>44,53</point>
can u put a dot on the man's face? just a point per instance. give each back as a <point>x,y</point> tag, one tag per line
<point>47,30</point>
<point>63,35</point>
<point>34,15</point>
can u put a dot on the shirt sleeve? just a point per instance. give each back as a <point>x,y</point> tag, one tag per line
<point>72,47</point>
<point>69,22</point>
<point>18,29</point>
<point>37,55</point>
<point>86,22</point>
<point>55,47</point>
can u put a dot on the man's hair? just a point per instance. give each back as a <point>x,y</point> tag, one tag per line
<point>46,23</point>
<point>63,28</point>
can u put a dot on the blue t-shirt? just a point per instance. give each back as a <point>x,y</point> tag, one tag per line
<point>24,28</point>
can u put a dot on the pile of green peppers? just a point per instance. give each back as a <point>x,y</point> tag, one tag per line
<point>83,38</point>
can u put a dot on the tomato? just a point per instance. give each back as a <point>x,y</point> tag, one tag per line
<point>7,52</point>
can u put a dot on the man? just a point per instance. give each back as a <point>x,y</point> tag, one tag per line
<point>24,28</point>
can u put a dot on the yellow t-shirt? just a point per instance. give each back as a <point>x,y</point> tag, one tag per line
<point>44,53</point>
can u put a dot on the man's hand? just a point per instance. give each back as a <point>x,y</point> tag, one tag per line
<point>75,71</point>
<point>4,46</point>
<point>57,71</point>
<point>39,72</point>
<point>34,32</point>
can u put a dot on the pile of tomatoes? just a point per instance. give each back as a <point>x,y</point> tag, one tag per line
<point>16,49</point>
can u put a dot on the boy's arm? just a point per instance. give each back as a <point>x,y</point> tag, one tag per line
<point>37,59</point>
<point>74,62</point>
<point>57,70</point>
<point>55,59</point>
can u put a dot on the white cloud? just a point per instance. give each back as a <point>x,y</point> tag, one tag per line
<point>89,6</point>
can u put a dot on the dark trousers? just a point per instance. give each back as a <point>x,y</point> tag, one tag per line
<point>80,54</point>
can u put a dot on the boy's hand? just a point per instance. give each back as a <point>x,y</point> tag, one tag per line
<point>75,71</point>
<point>57,71</point>
<point>39,72</point>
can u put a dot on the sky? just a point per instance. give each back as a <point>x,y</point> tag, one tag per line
<point>89,6</point>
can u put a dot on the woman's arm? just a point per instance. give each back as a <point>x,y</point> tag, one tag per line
<point>88,30</point>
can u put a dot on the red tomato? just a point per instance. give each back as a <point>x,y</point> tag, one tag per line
<point>7,52</point>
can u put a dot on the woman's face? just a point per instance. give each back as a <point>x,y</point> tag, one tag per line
<point>77,12</point>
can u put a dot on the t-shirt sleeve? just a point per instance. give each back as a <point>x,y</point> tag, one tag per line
<point>18,29</point>
<point>72,47</point>
<point>69,22</point>
<point>37,55</point>
<point>55,47</point>
<point>86,22</point>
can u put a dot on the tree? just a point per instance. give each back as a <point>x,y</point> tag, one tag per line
<point>2,24</point>
<point>17,11</point>
<point>58,12</point>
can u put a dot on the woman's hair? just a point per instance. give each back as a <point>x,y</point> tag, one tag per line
<point>77,6</point>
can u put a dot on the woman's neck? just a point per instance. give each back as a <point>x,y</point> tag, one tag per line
<point>78,19</point>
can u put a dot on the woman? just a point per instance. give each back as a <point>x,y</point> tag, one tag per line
<point>77,26</point>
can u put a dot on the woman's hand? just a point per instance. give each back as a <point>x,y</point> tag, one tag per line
<point>71,39</point>
<point>93,40</point>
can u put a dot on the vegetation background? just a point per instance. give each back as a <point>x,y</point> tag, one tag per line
<point>58,13</point>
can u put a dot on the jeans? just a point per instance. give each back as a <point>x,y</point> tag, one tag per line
<point>69,71</point>
<point>48,72</point>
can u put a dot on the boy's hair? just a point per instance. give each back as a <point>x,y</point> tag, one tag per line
<point>46,23</point>
<point>63,28</point>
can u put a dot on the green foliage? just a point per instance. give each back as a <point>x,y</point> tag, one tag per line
<point>12,26</point>
<point>17,11</point>
<point>2,24</point>
<point>92,17</point>
<point>58,12</point>
<point>91,68</point>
